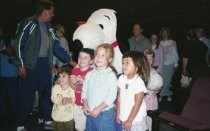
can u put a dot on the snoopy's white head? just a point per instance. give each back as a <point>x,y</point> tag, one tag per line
<point>100,28</point>
<point>106,19</point>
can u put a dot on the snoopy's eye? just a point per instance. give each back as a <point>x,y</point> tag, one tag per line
<point>107,16</point>
<point>102,27</point>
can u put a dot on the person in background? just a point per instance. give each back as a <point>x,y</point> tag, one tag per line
<point>138,42</point>
<point>202,37</point>
<point>170,62</point>
<point>154,85</point>
<point>85,60</point>
<point>60,32</point>
<point>63,99</point>
<point>158,50</point>
<point>36,43</point>
<point>8,80</point>
<point>100,91</point>
<point>131,107</point>
<point>194,54</point>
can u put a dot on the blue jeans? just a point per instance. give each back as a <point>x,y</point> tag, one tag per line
<point>104,122</point>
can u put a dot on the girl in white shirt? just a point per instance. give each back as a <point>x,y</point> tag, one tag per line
<point>131,108</point>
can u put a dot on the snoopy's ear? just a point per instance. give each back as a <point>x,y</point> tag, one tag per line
<point>76,47</point>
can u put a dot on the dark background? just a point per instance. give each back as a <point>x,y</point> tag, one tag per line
<point>178,15</point>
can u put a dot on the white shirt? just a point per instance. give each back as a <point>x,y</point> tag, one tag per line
<point>169,52</point>
<point>128,89</point>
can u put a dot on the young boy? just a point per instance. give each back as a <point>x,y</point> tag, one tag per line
<point>85,59</point>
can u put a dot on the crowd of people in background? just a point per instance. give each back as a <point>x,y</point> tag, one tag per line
<point>70,96</point>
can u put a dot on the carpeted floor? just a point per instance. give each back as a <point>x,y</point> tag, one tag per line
<point>7,123</point>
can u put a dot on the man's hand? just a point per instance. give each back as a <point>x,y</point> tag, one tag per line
<point>73,63</point>
<point>22,72</point>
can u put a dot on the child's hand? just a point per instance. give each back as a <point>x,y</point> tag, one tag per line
<point>66,100</point>
<point>86,110</point>
<point>96,111</point>
<point>127,125</point>
<point>73,79</point>
<point>118,119</point>
<point>80,78</point>
<point>157,90</point>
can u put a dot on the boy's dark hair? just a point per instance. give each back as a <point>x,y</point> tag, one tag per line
<point>43,5</point>
<point>88,51</point>
<point>65,69</point>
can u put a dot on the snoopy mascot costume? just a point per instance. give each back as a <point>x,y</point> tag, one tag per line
<point>100,28</point>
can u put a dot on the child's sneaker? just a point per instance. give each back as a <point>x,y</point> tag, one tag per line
<point>48,125</point>
<point>21,128</point>
<point>169,98</point>
<point>40,121</point>
<point>160,99</point>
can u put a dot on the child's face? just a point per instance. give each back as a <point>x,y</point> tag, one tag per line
<point>154,39</point>
<point>101,58</point>
<point>63,79</point>
<point>150,59</point>
<point>84,60</point>
<point>58,33</point>
<point>129,69</point>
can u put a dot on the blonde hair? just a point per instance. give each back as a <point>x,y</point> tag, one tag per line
<point>149,52</point>
<point>60,28</point>
<point>108,50</point>
<point>109,54</point>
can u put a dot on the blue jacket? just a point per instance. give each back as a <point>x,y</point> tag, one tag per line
<point>6,69</point>
<point>28,41</point>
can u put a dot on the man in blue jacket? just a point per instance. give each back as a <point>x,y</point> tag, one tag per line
<point>8,81</point>
<point>35,45</point>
